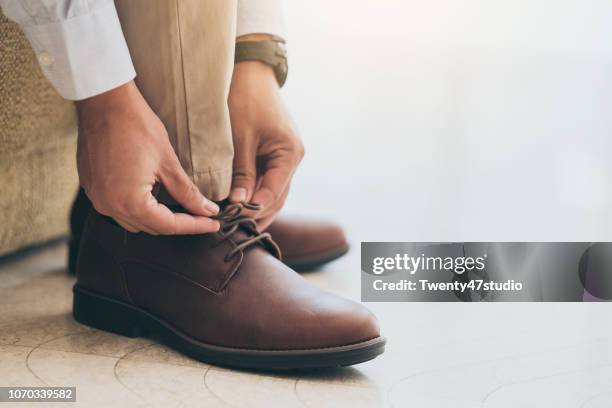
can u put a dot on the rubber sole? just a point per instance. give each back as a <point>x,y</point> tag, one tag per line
<point>108,314</point>
<point>309,263</point>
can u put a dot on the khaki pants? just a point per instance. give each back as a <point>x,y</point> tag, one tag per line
<point>183,53</point>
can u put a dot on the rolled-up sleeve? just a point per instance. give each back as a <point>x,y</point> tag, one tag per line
<point>79,43</point>
<point>260,17</point>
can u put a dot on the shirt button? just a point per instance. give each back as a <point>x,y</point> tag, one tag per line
<point>45,59</point>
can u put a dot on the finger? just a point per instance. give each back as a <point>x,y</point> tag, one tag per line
<point>182,189</point>
<point>265,222</point>
<point>244,172</point>
<point>268,215</point>
<point>274,181</point>
<point>158,218</point>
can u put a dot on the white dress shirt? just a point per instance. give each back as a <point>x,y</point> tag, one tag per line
<point>80,46</point>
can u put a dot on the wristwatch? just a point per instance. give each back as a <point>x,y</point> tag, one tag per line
<point>271,52</point>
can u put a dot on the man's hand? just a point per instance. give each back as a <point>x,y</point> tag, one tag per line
<point>267,147</point>
<point>123,150</point>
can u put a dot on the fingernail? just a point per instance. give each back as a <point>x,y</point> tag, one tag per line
<point>238,195</point>
<point>210,206</point>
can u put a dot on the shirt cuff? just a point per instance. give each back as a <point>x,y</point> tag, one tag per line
<point>260,17</point>
<point>83,56</point>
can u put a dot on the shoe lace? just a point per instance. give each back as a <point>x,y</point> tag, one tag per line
<point>231,220</point>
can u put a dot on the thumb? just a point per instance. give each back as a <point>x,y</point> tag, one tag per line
<point>182,189</point>
<point>244,174</point>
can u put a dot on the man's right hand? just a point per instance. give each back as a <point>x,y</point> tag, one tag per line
<point>123,150</point>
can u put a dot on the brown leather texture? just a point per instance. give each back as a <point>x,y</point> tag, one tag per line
<point>301,237</point>
<point>251,300</point>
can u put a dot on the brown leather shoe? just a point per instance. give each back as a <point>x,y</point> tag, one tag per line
<point>306,244</point>
<point>223,298</point>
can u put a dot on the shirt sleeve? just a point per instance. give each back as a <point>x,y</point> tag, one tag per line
<point>79,43</point>
<point>260,17</point>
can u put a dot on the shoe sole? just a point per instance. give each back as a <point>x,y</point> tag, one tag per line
<point>309,263</point>
<point>108,314</point>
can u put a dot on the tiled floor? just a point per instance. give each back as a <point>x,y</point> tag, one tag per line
<point>485,120</point>
<point>439,355</point>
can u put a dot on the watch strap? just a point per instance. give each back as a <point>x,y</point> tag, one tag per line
<point>271,52</point>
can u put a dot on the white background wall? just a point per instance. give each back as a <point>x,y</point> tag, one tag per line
<point>454,120</point>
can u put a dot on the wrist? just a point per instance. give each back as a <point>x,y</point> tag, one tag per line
<point>255,37</point>
<point>112,99</point>
<point>255,71</point>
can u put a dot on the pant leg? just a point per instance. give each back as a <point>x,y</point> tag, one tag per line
<point>183,53</point>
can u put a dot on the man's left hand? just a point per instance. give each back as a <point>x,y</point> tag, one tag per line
<point>267,148</point>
